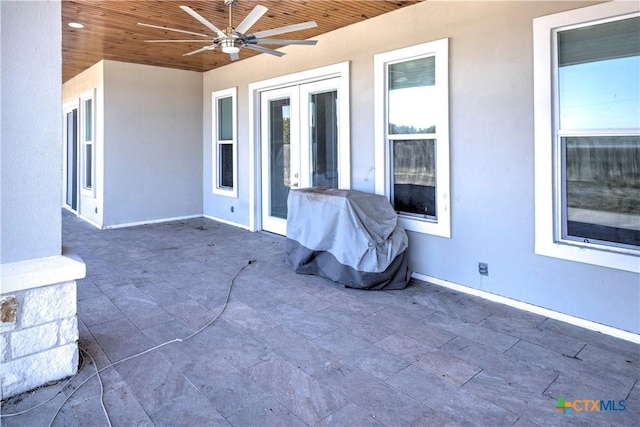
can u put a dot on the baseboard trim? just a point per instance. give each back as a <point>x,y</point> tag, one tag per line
<point>88,221</point>
<point>151,221</point>
<point>576,321</point>
<point>227,222</point>
<point>161,220</point>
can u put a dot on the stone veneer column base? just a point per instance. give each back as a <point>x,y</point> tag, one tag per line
<point>38,327</point>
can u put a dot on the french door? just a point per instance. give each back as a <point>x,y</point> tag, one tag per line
<point>299,143</point>
<point>71,158</point>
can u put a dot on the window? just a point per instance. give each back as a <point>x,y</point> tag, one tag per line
<point>88,138</point>
<point>587,78</point>
<point>224,149</point>
<point>412,138</point>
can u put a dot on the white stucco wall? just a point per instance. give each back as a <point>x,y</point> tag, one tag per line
<point>38,332</point>
<point>492,146</point>
<point>153,143</point>
<point>31,130</point>
<point>148,142</point>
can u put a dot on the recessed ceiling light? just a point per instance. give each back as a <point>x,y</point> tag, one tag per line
<point>75,25</point>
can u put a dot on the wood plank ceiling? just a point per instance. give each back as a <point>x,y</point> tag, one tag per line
<point>111,31</point>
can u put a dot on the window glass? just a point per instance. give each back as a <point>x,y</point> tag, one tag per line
<point>88,164</point>
<point>88,120</point>
<point>414,176</point>
<point>599,118</point>
<point>324,139</point>
<point>71,127</point>
<point>225,119</point>
<point>602,182</point>
<point>412,103</point>
<point>599,76</point>
<point>226,165</point>
<point>411,96</point>
<point>280,155</point>
<point>603,94</point>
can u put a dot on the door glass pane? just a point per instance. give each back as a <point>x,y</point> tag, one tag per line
<point>323,130</point>
<point>411,96</point>
<point>226,165</point>
<point>602,181</point>
<point>414,176</point>
<point>280,160</point>
<point>225,119</point>
<point>72,160</point>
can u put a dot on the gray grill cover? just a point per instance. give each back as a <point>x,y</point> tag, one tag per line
<point>347,236</point>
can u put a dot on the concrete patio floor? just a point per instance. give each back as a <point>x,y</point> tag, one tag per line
<point>293,350</point>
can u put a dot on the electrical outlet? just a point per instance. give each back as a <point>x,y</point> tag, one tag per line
<point>483,268</point>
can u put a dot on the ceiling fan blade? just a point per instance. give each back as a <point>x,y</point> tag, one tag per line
<point>177,41</point>
<point>234,56</point>
<point>263,50</point>
<point>202,49</point>
<point>286,29</point>
<point>202,20</point>
<point>251,19</point>
<point>173,29</point>
<point>282,41</point>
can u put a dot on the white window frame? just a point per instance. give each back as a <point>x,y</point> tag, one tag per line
<point>548,218</point>
<point>216,170</point>
<point>84,142</point>
<point>441,226</point>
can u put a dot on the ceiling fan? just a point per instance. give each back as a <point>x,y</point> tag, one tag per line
<point>233,38</point>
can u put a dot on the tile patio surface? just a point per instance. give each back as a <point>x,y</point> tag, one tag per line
<point>293,350</point>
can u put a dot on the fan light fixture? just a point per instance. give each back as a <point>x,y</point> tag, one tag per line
<point>233,39</point>
<point>229,46</point>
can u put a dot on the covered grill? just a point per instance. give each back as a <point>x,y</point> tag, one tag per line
<point>348,236</point>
